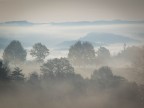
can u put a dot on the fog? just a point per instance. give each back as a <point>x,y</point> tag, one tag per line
<point>38,70</point>
<point>54,34</point>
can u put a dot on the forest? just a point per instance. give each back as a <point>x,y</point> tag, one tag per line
<point>86,78</point>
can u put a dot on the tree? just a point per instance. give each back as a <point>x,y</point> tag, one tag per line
<point>17,75</point>
<point>34,78</point>
<point>103,55</point>
<point>135,56</point>
<point>57,68</point>
<point>104,77</point>
<point>14,53</point>
<point>4,72</point>
<point>81,53</point>
<point>102,73</point>
<point>103,52</point>
<point>39,51</point>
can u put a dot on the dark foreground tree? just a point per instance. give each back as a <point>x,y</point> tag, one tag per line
<point>104,77</point>
<point>39,51</point>
<point>4,72</point>
<point>14,53</point>
<point>57,68</point>
<point>34,78</point>
<point>17,75</point>
<point>81,53</point>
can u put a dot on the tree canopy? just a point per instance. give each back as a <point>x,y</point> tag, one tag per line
<point>17,75</point>
<point>103,52</point>
<point>104,77</point>
<point>57,68</point>
<point>14,52</point>
<point>39,51</point>
<point>81,53</point>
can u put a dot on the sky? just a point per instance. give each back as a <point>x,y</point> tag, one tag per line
<point>70,10</point>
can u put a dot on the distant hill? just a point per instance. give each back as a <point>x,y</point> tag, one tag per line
<point>78,23</point>
<point>99,22</point>
<point>98,39</point>
<point>17,23</point>
<point>107,38</point>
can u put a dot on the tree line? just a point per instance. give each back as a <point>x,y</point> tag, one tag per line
<point>81,53</point>
<point>58,81</point>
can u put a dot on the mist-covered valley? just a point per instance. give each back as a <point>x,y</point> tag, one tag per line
<point>96,64</point>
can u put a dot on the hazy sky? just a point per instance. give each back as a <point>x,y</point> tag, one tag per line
<point>71,10</point>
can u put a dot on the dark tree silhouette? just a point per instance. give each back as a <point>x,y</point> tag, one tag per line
<point>39,51</point>
<point>102,73</point>
<point>4,72</point>
<point>14,53</point>
<point>57,68</point>
<point>17,75</point>
<point>81,53</point>
<point>104,77</point>
<point>34,78</point>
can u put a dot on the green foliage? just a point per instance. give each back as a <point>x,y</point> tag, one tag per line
<point>39,51</point>
<point>14,52</point>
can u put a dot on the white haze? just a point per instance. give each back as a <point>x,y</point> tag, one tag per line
<point>53,35</point>
<point>71,32</point>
